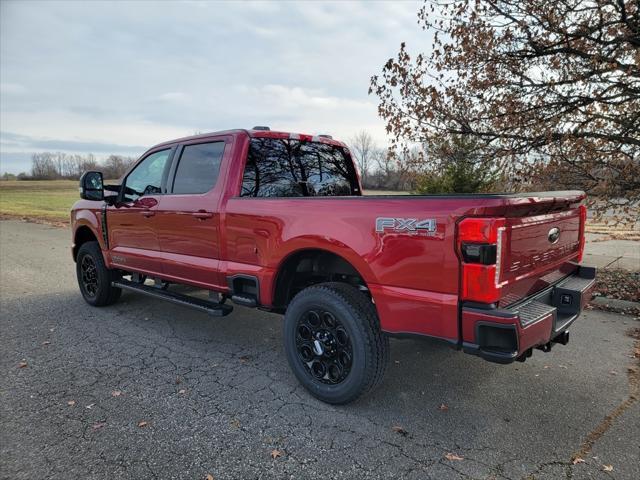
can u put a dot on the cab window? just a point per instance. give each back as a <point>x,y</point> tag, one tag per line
<point>198,168</point>
<point>293,168</point>
<point>146,177</point>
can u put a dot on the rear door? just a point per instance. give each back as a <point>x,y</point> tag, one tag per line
<point>189,215</point>
<point>132,221</point>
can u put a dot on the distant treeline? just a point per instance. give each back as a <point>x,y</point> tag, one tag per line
<point>58,165</point>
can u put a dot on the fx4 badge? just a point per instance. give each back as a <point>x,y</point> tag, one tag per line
<point>408,225</point>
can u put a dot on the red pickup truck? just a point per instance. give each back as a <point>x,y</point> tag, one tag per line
<point>277,221</point>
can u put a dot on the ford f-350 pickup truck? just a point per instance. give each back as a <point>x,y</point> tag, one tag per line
<point>277,221</point>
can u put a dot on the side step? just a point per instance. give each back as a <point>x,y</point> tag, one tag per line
<point>215,309</point>
<point>244,300</point>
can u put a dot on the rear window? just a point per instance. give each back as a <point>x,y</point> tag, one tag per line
<point>198,168</point>
<point>294,168</point>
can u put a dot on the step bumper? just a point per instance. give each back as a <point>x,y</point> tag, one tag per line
<point>539,321</point>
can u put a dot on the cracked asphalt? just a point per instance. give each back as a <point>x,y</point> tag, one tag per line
<point>217,395</point>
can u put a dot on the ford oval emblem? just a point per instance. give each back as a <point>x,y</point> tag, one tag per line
<point>553,235</point>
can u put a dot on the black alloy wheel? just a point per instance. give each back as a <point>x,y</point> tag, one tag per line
<point>334,343</point>
<point>94,278</point>
<point>89,275</point>
<point>323,345</point>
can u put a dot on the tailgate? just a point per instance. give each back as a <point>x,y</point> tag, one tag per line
<point>537,251</point>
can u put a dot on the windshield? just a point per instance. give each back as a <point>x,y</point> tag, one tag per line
<point>295,168</point>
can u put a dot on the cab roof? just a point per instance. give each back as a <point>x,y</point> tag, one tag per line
<point>256,134</point>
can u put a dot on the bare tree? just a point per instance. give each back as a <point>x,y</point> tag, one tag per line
<point>394,170</point>
<point>44,166</point>
<point>115,166</point>
<point>363,148</point>
<point>537,83</point>
<point>49,166</point>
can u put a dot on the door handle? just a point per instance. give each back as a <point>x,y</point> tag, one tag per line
<point>147,213</point>
<point>202,215</point>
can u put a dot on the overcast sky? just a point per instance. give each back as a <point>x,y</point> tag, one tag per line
<point>118,77</point>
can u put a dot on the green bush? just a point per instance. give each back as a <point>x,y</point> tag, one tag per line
<point>453,165</point>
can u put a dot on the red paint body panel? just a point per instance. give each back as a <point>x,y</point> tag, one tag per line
<point>403,310</point>
<point>414,279</point>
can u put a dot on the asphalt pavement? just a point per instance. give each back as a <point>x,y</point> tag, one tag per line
<point>146,389</point>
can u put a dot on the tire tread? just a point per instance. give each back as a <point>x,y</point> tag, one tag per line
<point>364,312</point>
<point>108,294</point>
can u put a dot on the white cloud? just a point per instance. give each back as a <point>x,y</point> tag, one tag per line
<point>152,71</point>
<point>63,125</point>
<point>177,97</point>
<point>295,97</point>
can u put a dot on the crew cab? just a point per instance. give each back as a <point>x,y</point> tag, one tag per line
<point>278,221</point>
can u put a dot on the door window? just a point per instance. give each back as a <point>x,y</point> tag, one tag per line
<point>146,177</point>
<point>198,168</point>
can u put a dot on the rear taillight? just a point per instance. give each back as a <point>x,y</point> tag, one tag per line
<point>480,245</point>
<point>583,223</point>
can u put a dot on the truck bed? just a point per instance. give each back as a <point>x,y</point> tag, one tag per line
<point>419,270</point>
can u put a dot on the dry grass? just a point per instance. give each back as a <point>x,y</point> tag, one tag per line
<point>49,200</point>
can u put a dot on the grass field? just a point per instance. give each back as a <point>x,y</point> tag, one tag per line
<point>43,199</point>
<point>52,199</point>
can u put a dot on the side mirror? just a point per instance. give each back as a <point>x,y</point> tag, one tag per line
<point>91,187</point>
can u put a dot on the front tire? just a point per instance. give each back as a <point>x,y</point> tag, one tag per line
<point>333,342</point>
<point>94,278</point>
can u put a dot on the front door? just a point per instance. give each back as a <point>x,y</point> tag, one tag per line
<point>132,221</point>
<point>188,215</point>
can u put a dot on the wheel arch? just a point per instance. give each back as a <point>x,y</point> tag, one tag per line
<point>312,265</point>
<point>83,234</point>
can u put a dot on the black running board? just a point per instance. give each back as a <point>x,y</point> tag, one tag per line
<point>215,309</point>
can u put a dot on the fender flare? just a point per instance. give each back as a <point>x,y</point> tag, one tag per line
<point>90,220</point>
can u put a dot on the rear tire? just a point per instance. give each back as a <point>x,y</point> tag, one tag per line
<point>94,278</point>
<point>333,342</point>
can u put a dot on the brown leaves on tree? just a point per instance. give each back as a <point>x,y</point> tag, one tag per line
<point>550,93</point>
